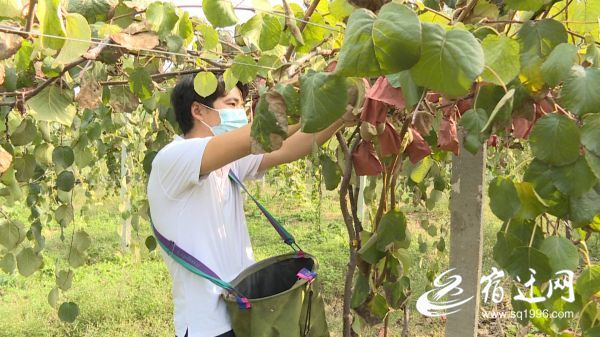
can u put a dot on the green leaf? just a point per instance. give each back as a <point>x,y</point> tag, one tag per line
<point>65,181</point>
<point>28,262</point>
<point>419,172</point>
<point>50,23</point>
<point>368,251</point>
<point>11,234</point>
<point>270,32</point>
<point>64,215</point>
<point>24,133</point>
<point>11,8</point>
<point>8,263</point>
<point>361,290</point>
<point>340,9</point>
<point>185,29</point>
<point>53,297</point>
<point>450,60</point>
<point>588,283</point>
<point>558,64</point>
<point>562,253</point>
<point>63,157</point>
<point>52,104</point>
<point>383,44</point>
<point>210,36</point>
<point>229,79</point>
<point>332,174</point>
<point>43,154</point>
<point>537,40</point>
<point>594,163</point>
<point>357,55</point>
<point>25,168</point>
<point>473,122</point>
<point>396,38</point>
<point>205,83</point>
<point>532,204</point>
<point>68,312</point>
<point>269,128</point>
<point>524,5</point>
<point>524,258</point>
<point>244,68</point>
<point>150,243</point>
<point>555,140</point>
<point>581,90</point>
<point>378,307</point>
<point>140,83</point>
<point>292,98</point>
<point>162,18</point>
<point>502,62</point>
<point>324,97</point>
<point>219,13</point>
<point>590,134</point>
<point>582,16</point>
<point>504,199</point>
<point>574,179</point>
<point>76,258</point>
<point>584,208</point>
<point>78,29</point>
<point>502,112</point>
<point>92,10</point>
<point>264,5</point>
<point>81,240</point>
<point>64,279</point>
<point>391,228</point>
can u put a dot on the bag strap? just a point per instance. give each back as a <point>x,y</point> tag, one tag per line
<point>284,234</point>
<point>194,265</point>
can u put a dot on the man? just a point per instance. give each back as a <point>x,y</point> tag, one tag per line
<point>193,202</point>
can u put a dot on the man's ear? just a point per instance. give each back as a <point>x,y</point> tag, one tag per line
<point>198,111</point>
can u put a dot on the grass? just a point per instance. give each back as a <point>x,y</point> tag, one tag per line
<point>130,294</point>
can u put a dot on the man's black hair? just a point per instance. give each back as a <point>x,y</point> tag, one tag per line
<point>183,95</point>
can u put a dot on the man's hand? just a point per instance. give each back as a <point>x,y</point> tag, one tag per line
<point>349,118</point>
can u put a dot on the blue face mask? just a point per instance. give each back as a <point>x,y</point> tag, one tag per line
<point>231,119</point>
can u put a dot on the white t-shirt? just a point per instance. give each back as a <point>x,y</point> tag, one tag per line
<point>205,217</point>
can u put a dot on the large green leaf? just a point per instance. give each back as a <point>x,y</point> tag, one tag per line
<point>473,122</point>
<point>24,133</point>
<point>219,13</point>
<point>391,228</point>
<point>555,140</point>
<point>63,157</point>
<point>28,262</point>
<point>532,204</point>
<point>558,65</point>
<point>8,263</point>
<point>581,14</point>
<point>524,5</point>
<point>270,32</point>
<point>584,208</point>
<point>49,17</point>
<point>524,258</point>
<point>64,279</point>
<point>52,104</point>
<point>244,68</point>
<point>361,290</point>
<point>209,34</point>
<point>588,283</point>
<point>81,240</point>
<point>162,18</point>
<point>77,29</point>
<point>504,199</point>
<point>11,8</point>
<point>65,181</point>
<point>68,312</point>
<point>537,40</point>
<point>11,234</point>
<point>374,45</point>
<point>581,90</point>
<point>332,174</point>
<point>562,253</point>
<point>574,179</point>
<point>269,128</point>
<point>396,38</point>
<point>92,10</point>
<point>450,60</point>
<point>590,134</point>
<point>140,83</point>
<point>357,56</point>
<point>323,100</point>
<point>205,83</point>
<point>502,62</point>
